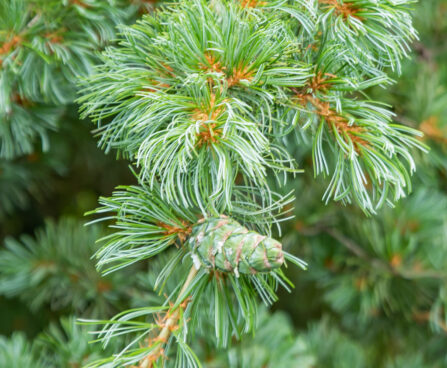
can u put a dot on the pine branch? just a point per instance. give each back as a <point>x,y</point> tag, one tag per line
<point>170,322</point>
<point>206,123</point>
<point>44,47</point>
<point>55,269</point>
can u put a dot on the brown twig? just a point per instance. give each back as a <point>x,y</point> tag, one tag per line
<point>345,9</point>
<point>335,121</point>
<point>208,132</point>
<point>17,39</point>
<point>8,45</point>
<point>252,3</point>
<point>168,324</point>
<point>80,3</point>
<point>239,74</point>
<point>234,77</point>
<point>182,232</point>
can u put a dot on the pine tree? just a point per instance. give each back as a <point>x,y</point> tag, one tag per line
<point>237,118</point>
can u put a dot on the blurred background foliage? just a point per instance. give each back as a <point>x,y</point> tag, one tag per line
<point>375,294</point>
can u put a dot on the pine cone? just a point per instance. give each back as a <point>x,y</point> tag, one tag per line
<point>224,244</point>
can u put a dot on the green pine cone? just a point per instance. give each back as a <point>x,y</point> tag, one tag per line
<point>224,244</point>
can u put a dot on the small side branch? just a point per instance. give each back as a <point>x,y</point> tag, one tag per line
<point>169,324</point>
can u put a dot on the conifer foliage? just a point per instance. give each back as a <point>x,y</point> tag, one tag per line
<point>46,45</point>
<point>201,97</point>
<point>222,107</point>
